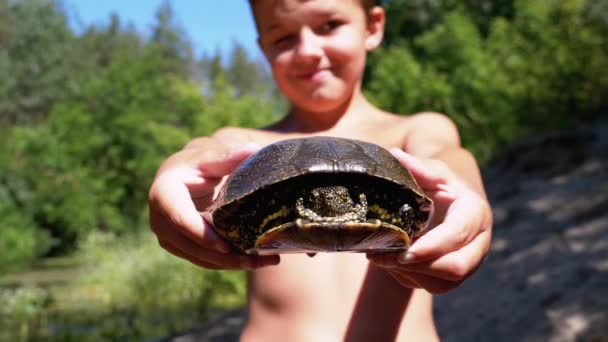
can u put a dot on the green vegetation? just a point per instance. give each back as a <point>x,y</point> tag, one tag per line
<point>85,120</point>
<point>120,289</point>
<point>501,69</point>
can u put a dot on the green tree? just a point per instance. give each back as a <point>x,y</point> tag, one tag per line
<point>4,24</point>
<point>539,70</point>
<point>171,40</point>
<point>35,61</point>
<point>410,18</point>
<point>247,76</point>
<point>104,44</point>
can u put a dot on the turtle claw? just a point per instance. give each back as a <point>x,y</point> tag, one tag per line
<point>406,214</point>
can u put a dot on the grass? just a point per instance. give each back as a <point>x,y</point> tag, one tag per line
<point>113,289</point>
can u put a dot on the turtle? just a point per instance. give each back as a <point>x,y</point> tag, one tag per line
<point>320,194</point>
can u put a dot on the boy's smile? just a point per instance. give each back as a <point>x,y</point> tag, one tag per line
<point>316,49</point>
<point>315,76</point>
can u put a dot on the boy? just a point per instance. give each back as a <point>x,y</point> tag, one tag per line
<point>317,51</point>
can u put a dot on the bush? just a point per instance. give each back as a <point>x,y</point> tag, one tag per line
<point>135,281</point>
<point>23,313</point>
<point>543,69</point>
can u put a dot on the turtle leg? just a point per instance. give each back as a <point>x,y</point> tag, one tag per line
<point>406,214</point>
<point>361,208</point>
<point>305,213</point>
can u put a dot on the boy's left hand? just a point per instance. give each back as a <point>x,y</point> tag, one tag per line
<point>445,256</point>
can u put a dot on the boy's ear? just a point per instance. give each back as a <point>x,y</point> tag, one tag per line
<point>375,28</point>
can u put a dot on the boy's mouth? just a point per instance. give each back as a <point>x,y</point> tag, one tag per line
<point>314,76</point>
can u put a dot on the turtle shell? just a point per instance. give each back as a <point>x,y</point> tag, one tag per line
<point>320,194</point>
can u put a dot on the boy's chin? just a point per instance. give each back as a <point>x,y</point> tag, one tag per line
<point>320,103</point>
<point>328,97</point>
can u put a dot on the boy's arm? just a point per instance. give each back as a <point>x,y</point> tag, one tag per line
<point>435,136</point>
<point>445,256</point>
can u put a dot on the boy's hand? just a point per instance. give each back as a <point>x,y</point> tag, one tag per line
<point>445,256</point>
<point>182,190</point>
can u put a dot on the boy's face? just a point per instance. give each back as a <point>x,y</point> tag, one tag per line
<point>317,48</point>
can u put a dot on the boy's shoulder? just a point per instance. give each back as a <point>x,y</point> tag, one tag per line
<point>435,120</point>
<point>433,123</point>
<point>428,132</point>
<point>235,137</point>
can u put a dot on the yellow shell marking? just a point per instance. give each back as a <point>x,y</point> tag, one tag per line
<point>283,212</point>
<point>384,215</point>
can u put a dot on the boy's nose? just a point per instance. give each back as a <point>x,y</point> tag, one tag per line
<point>309,46</point>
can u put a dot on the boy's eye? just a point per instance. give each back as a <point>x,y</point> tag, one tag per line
<point>284,41</point>
<point>329,26</point>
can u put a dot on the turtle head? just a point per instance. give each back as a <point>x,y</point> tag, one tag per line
<point>330,200</point>
<point>332,204</point>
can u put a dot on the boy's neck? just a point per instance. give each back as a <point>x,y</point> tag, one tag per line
<point>351,111</point>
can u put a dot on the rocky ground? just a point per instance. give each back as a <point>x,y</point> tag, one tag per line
<point>546,277</point>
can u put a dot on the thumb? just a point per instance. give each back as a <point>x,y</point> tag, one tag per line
<point>429,174</point>
<point>425,174</point>
<point>221,164</point>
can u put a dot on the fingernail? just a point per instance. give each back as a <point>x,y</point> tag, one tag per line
<point>272,262</point>
<point>251,146</point>
<point>247,265</point>
<point>406,258</point>
<point>222,247</point>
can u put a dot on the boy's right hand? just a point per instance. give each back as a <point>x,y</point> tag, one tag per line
<point>182,190</point>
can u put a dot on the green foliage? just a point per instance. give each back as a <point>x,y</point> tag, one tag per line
<point>87,161</point>
<point>35,60</point>
<point>22,313</point>
<point>22,241</point>
<point>224,107</point>
<point>543,69</point>
<point>129,289</point>
<point>408,19</point>
<point>171,41</point>
<point>247,76</point>
<point>135,272</point>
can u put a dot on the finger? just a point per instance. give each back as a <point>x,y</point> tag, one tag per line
<point>172,206</point>
<point>194,260</point>
<point>184,247</point>
<point>429,174</point>
<point>429,283</point>
<point>410,278</point>
<point>405,279</point>
<point>458,265</point>
<point>220,164</point>
<point>173,237</point>
<point>464,220</point>
<point>384,260</point>
<point>388,263</point>
<point>208,169</point>
<point>202,169</point>
<point>425,174</point>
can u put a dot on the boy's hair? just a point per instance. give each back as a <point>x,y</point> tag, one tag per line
<point>367,4</point>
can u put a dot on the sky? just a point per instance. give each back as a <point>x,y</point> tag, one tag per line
<point>209,24</point>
